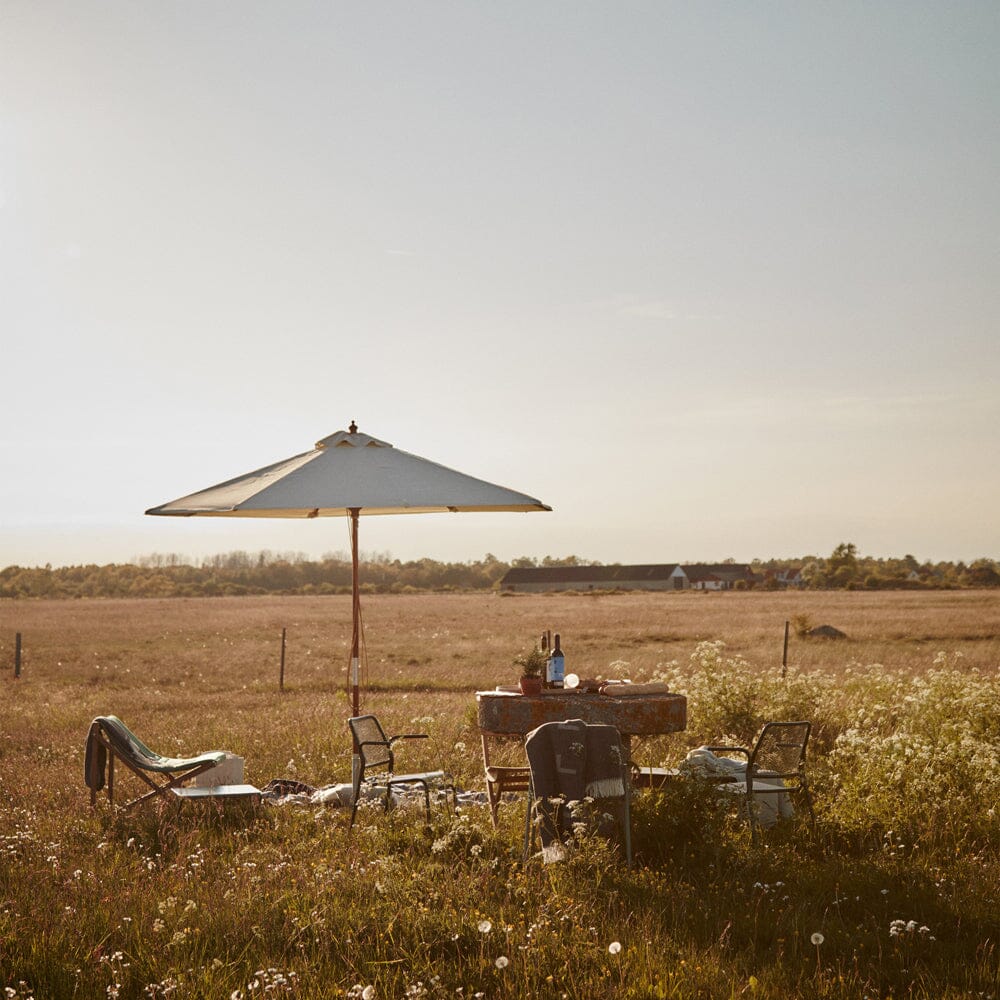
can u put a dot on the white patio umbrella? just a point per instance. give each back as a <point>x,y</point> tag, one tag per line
<point>348,474</point>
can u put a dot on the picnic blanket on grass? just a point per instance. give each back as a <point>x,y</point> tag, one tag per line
<point>288,791</point>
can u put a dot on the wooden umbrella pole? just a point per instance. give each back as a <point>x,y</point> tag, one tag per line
<point>356,616</point>
<point>355,646</point>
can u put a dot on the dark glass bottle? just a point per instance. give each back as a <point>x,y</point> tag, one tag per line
<point>555,670</point>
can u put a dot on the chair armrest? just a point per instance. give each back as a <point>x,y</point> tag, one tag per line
<point>742,750</point>
<point>375,743</point>
<point>408,736</point>
<point>495,771</point>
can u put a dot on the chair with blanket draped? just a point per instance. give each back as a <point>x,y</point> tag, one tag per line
<point>570,762</point>
<point>378,765</point>
<point>110,739</point>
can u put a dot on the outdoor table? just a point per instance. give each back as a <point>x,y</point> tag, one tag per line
<point>506,713</point>
<point>510,714</point>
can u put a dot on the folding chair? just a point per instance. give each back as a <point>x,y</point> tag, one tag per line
<point>110,739</point>
<point>570,761</point>
<point>775,765</point>
<point>376,752</point>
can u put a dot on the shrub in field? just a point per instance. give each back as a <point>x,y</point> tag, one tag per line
<point>803,625</point>
<point>687,819</point>
<point>916,754</point>
<point>727,698</point>
<point>923,759</point>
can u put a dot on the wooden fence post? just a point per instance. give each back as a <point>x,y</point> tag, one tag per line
<point>784,654</point>
<point>281,675</point>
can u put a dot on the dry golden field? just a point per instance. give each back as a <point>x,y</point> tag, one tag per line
<point>199,666</point>
<point>467,640</point>
<point>898,884</point>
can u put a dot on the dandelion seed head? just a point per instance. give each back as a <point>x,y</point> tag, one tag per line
<point>615,947</point>
<point>485,927</point>
<point>502,962</point>
<point>817,939</point>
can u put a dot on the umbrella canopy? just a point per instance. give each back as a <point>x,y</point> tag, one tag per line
<point>349,471</point>
<point>348,474</point>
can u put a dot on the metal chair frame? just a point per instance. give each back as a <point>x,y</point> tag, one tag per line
<point>779,754</point>
<point>376,753</point>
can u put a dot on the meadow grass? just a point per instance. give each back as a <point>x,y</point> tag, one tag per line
<point>897,888</point>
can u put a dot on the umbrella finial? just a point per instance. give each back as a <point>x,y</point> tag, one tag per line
<point>353,429</point>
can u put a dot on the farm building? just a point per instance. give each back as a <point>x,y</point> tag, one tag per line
<point>657,576</point>
<point>790,578</point>
<point>719,576</point>
<point>535,579</point>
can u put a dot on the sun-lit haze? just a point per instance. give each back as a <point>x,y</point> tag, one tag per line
<point>711,280</point>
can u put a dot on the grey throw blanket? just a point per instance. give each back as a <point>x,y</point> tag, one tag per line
<point>96,758</point>
<point>133,751</point>
<point>570,761</point>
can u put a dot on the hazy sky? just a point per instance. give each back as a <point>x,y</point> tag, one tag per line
<point>710,279</point>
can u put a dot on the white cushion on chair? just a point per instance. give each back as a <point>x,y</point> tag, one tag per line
<point>770,805</point>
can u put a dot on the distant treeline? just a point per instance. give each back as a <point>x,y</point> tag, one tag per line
<point>845,569</point>
<point>240,573</point>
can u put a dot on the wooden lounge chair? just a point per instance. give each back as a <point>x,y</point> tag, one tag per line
<point>110,739</point>
<point>502,778</point>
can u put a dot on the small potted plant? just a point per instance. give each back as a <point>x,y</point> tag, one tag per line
<point>531,665</point>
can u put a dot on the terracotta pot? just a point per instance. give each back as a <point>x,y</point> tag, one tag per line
<point>530,685</point>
